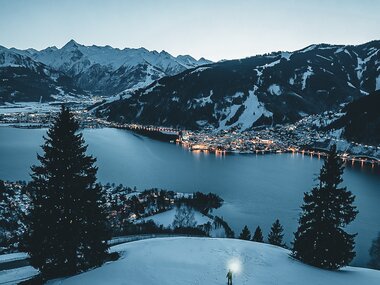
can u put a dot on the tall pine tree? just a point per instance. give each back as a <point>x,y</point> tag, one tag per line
<point>276,234</point>
<point>67,232</point>
<point>374,253</point>
<point>258,235</point>
<point>320,239</point>
<point>245,233</point>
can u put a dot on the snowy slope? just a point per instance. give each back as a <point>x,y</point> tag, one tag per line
<point>14,276</point>
<point>13,256</point>
<point>183,261</point>
<point>9,58</point>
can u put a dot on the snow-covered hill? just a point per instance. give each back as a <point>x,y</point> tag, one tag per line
<point>184,261</point>
<point>99,70</point>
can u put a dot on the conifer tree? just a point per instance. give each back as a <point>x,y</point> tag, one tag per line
<point>258,235</point>
<point>374,253</point>
<point>320,239</point>
<point>2,190</point>
<point>276,234</point>
<point>67,230</point>
<point>245,233</point>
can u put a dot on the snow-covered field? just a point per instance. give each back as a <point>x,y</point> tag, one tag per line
<point>28,107</point>
<point>180,261</point>
<point>14,276</point>
<point>13,257</point>
<point>166,218</point>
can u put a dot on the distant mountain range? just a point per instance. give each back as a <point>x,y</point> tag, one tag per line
<point>151,87</point>
<point>261,90</point>
<point>78,70</point>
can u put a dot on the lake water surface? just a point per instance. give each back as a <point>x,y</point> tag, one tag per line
<point>257,189</point>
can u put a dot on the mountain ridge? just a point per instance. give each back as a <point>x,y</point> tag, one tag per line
<point>229,94</point>
<point>95,70</point>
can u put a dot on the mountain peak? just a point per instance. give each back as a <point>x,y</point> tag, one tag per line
<point>165,53</point>
<point>71,44</point>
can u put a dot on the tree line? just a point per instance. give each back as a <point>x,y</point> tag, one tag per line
<point>275,235</point>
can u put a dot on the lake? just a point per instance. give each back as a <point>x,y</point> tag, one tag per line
<point>257,189</point>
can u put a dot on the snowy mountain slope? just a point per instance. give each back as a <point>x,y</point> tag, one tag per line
<point>361,120</point>
<point>288,85</point>
<point>109,71</point>
<point>186,261</point>
<point>23,79</point>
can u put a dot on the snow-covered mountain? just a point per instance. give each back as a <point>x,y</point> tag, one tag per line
<point>266,89</point>
<point>75,58</point>
<point>100,70</point>
<point>24,79</point>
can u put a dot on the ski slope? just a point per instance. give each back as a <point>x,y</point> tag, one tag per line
<point>183,260</point>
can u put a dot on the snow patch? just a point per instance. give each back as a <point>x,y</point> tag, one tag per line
<point>150,89</point>
<point>306,75</point>
<point>303,114</point>
<point>347,52</point>
<point>286,55</point>
<point>259,72</point>
<point>309,48</point>
<point>201,122</point>
<point>203,100</point>
<point>274,89</point>
<point>272,63</point>
<point>200,69</point>
<point>325,58</point>
<point>377,83</point>
<point>253,110</point>
<point>361,65</point>
<point>13,257</point>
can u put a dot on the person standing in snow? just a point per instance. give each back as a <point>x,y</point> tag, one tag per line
<point>229,277</point>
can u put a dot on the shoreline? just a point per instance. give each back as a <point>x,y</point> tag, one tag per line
<point>174,136</point>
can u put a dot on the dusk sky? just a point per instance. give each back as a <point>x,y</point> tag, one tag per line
<point>214,29</point>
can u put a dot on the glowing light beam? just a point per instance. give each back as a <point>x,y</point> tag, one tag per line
<point>234,265</point>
